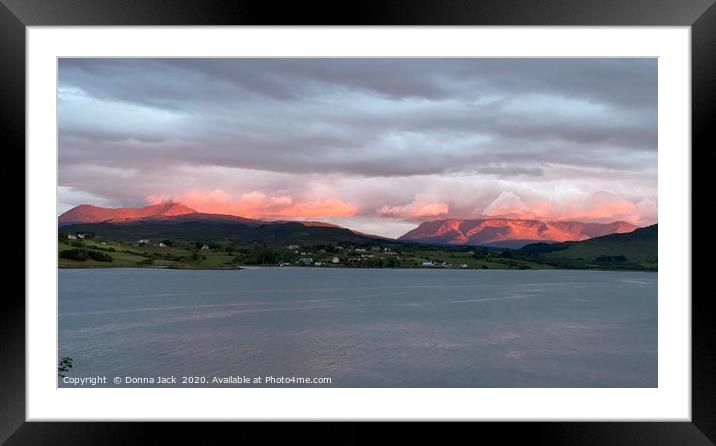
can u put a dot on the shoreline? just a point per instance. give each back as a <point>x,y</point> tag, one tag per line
<point>249,267</point>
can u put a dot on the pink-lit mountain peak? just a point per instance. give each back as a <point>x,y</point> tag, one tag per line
<point>87,213</point>
<point>509,232</point>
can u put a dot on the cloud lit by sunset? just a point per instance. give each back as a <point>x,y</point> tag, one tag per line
<point>259,205</point>
<point>377,145</point>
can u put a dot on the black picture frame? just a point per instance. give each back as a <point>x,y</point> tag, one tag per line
<point>16,15</point>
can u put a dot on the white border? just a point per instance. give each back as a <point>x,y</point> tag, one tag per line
<point>670,401</point>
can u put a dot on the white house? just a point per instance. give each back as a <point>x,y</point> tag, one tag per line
<point>292,247</point>
<point>336,260</point>
<point>205,247</point>
<point>71,237</point>
<point>428,263</point>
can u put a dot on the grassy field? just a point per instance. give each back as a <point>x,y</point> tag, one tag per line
<point>187,256</point>
<point>127,255</point>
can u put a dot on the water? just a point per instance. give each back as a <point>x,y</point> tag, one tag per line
<point>362,327</point>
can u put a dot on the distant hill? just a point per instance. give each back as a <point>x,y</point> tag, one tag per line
<point>637,248</point>
<point>268,233</point>
<point>175,221</point>
<point>509,233</point>
<point>170,212</point>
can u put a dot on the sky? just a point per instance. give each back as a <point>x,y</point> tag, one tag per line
<point>376,145</point>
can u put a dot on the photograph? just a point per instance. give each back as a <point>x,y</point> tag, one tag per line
<point>328,222</point>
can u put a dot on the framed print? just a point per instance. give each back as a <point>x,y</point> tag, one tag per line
<point>487,222</point>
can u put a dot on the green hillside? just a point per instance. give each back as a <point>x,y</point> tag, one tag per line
<point>269,234</point>
<point>634,250</point>
<point>220,245</point>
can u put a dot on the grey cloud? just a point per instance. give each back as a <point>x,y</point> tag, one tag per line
<point>629,82</point>
<point>357,117</point>
<point>510,171</point>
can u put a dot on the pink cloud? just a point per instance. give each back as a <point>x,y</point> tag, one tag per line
<point>415,209</point>
<point>595,207</point>
<point>257,204</point>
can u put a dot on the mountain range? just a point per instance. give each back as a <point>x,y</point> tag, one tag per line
<point>179,222</point>
<point>175,220</point>
<point>509,233</point>
<point>162,212</point>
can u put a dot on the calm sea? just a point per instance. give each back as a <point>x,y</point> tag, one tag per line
<point>359,327</point>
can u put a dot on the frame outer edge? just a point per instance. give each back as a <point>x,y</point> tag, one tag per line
<point>12,129</point>
<point>703,106</point>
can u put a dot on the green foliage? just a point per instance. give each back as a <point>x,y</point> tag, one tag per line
<point>63,366</point>
<point>100,256</point>
<point>82,255</point>
<point>262,255</point>
<point>75,254</point>
<point>610,259</point>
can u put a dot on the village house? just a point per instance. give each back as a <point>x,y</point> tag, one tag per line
<point>428,263</point>
<point>360,249</point>
<point>292,247</point>
<point>336,260</point>
<point>305,260</point>
<point>143,242</point>
<point>205,247</point>
<point>162,245</point>
<point>71,237</point>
